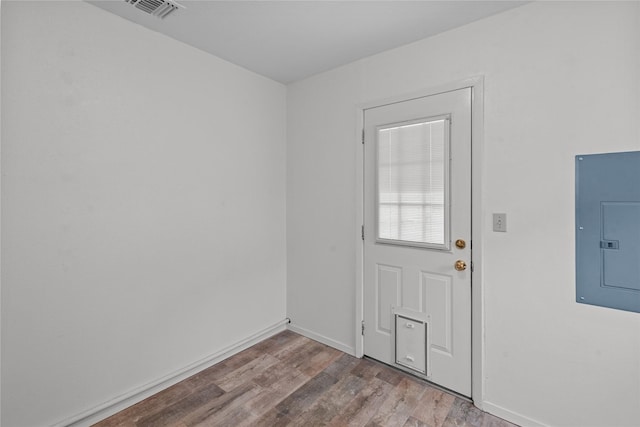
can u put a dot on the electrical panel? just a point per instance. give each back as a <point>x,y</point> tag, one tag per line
<point>608,230</point>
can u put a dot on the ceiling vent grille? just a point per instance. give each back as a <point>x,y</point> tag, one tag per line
<point>158,8</point>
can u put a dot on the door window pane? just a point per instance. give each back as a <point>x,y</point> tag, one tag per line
<point>412,182</point>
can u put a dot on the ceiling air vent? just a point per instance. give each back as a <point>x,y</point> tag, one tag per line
<point>158,8</point>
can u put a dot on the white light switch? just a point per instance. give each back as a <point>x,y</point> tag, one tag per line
<point>500,222</point>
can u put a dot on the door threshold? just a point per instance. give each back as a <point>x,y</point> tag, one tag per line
<point>420,379</point>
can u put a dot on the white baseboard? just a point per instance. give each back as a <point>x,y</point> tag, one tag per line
<point>324,340</point>
<point>510,416</point>
<point>113,406</point>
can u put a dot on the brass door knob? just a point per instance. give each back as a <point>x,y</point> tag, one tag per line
<point>461,244</point>
<point>460,265</point>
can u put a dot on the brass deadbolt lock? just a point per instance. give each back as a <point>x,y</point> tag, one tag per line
<point>461,244</point>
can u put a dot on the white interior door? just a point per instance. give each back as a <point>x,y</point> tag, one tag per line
<point>417,230</point>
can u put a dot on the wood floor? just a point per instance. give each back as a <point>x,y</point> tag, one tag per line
<point>290,380</point>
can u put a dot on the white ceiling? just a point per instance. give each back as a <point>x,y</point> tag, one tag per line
<point>290,40</point>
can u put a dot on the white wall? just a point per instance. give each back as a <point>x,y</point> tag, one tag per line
<point>143,207</point>
<point>560,79</point>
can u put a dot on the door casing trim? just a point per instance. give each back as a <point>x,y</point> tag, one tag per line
<point>477,220</point>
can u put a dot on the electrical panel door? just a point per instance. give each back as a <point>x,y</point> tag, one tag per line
<point>608,230</point>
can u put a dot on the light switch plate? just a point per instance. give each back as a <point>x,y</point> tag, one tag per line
<point>500,222</point>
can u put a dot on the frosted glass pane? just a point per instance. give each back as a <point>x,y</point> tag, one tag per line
<point>412,182</point>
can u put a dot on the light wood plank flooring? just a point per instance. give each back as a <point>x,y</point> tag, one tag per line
<point>290,380</point>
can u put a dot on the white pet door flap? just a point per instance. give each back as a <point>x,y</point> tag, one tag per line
<point>411,340</point>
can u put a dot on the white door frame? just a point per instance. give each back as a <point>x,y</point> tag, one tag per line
<point>477,221</point>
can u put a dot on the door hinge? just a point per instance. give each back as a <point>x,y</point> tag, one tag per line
<point>472,266</point>
<point>363,135</point>
<point>362,232</point>
<point>362,331</point>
